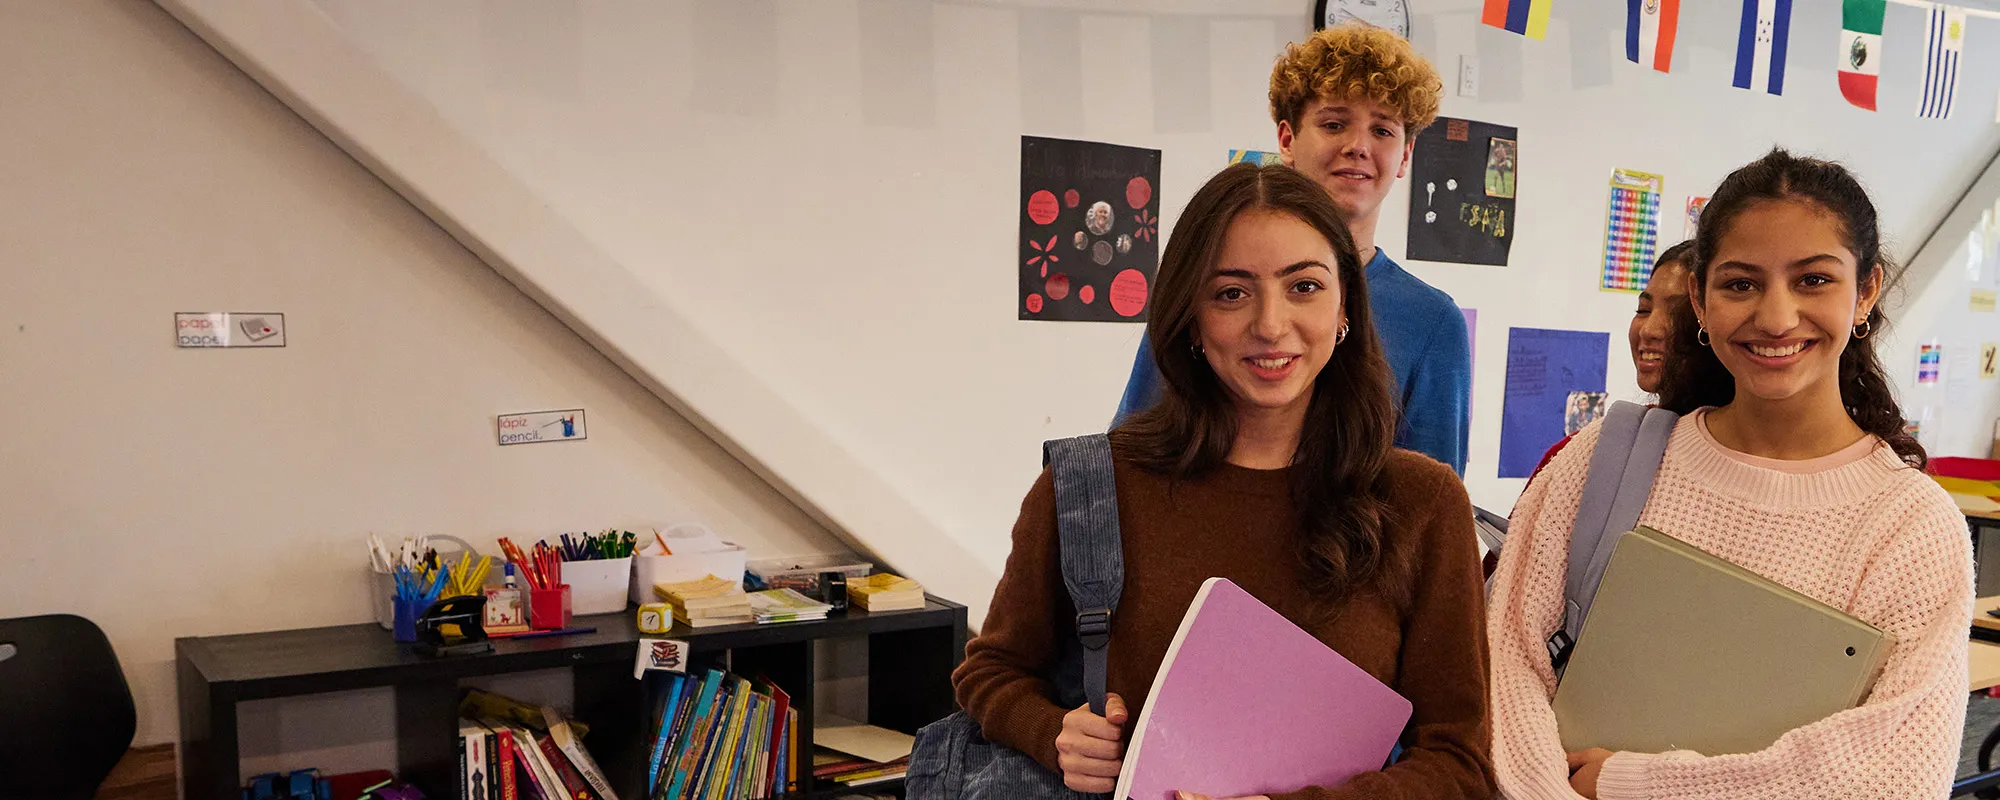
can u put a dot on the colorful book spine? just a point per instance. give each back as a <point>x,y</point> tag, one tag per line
<point>573,780</point>
<point>668,708</point>
<point>712,741</point>
<point>685,749</point>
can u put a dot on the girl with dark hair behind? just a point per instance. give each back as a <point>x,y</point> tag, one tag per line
<point>1267,461</point>
<point>1789,460</point>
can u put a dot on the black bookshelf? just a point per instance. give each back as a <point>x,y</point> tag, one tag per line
<point>911,656</point>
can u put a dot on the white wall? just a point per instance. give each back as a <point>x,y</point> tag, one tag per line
<point>168,493</point>
<point>1959,411</point>
<point>827,187</point>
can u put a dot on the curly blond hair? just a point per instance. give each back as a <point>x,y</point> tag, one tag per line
<point>1355,61</point>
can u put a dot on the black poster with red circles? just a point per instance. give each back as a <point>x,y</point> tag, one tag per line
<point>1090,230</point>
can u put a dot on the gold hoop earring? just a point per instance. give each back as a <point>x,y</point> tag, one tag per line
<point>1862,330</point>
<point>1701,335</point>
<point>1342,335</point>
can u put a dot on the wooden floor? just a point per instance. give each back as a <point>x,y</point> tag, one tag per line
<point>146,773</point>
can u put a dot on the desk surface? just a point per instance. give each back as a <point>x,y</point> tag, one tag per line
<point>1983,661</point>
<point>1981,619</point>
<point>282,663</point>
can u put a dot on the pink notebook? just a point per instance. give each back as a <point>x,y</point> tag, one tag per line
<point>1248,703</point>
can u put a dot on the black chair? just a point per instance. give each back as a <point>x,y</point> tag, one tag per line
<point>66,714</point>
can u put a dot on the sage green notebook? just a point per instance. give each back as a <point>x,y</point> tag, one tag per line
<point>1685,651</point>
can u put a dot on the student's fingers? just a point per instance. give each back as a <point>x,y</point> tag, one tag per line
<point>1578,759</point>
<point>1089,785</point>
<point>1190,796</point>
<point>1082,745</point>
<point>1114,709</point>
<point>1082,721</point>
<point>1073,764</point>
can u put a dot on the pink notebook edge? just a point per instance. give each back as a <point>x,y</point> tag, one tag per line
<point>1127,773</point>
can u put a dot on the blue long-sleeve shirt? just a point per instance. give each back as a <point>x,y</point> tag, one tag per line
<point>1424,338</point>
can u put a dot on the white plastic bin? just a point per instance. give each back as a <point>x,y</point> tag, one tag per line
<point>597,586</point>
<point>650,568</point>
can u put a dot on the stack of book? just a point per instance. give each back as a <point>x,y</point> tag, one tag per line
<point>855,754</point>
<point>512,751</point>
<point>707,602</point>
<point>856,772</point>
<point>785,605</point>
<point>720,737</point>
<point>885,592</point>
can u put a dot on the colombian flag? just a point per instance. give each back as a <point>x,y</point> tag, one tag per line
<point>1529,18</point>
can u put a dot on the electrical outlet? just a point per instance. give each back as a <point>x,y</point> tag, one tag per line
<point>1468,76</point>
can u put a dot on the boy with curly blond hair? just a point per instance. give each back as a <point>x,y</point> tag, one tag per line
<point>1348,103</point>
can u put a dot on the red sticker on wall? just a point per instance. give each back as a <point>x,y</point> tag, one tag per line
<point>1087,294</point>
<point>1058,286</point>
<point>1034,304</point>
<point>1128,293</point>
<point>1071,198</point>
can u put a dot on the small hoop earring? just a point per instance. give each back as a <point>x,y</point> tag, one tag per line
<point>1862,330</point>
<point>1701,335</point>
<point>1194,349</point>
<point>1342,335</point>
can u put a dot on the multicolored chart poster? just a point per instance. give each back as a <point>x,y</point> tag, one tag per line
<point>1631,230</point>
<point>1090,230</point>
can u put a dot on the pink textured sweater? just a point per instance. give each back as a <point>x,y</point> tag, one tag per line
<point>1864,533</point>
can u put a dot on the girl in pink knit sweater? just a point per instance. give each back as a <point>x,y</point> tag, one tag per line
<point>1790,460</point>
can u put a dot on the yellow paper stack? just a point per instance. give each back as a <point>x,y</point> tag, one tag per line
<point>885,592</point>
<point>707,602</point>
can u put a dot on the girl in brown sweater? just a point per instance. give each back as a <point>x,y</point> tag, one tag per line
<point>1268,462</point>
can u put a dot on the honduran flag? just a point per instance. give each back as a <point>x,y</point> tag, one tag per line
<point>1650,26</point>
<point>1760,45</point>
<point>1529,18</point>
<point>1944,40</point>
<point>1861,50</point>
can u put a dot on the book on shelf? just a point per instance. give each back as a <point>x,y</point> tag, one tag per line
<point>885,592</point>
<point>706,603</point>
<point>785,605</point>
<point>725,738</point>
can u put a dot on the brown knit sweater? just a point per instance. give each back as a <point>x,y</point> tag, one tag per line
<point>1237,523</point>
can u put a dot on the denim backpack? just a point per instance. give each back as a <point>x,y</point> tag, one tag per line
<point>1630,444</point>
<point>951,760</point>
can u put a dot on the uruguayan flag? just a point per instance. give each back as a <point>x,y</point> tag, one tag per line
<point>1760,45</point>
<point>1944,40</point>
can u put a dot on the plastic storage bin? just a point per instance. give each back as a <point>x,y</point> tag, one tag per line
<point>382,585</point>
<point>597,586</point>
<point>802,572</point>
<point>650,568</point>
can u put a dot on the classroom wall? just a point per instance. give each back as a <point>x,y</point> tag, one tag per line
<point>165,492</point>
<point>1957,412</point>
<point>829,187</point>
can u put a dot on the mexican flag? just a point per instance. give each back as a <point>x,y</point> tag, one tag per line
<point>1861,50</point>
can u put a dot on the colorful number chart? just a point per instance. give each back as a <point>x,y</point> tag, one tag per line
<point>1631,230</point>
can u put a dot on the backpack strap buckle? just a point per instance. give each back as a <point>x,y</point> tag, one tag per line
<point>1093,628</point>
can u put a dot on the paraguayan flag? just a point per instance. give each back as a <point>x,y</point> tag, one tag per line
<point>1944,40</point>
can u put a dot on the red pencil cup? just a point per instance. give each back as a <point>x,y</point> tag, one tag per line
<point>548,609</point>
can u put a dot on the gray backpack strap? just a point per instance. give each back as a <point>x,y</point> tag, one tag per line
<point>1093,556</point>
<point>1630,444</point>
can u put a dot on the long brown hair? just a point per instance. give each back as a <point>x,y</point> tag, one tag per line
<point>1337,475</point>
<point>1694,377</point>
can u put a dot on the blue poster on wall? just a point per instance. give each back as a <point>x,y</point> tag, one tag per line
<point>1544,367</point>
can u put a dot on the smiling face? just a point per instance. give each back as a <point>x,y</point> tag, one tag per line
<point>1653,321</point>
<point>1781,297</point>
<point>1356,149</point>
<point>1268,318</point>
